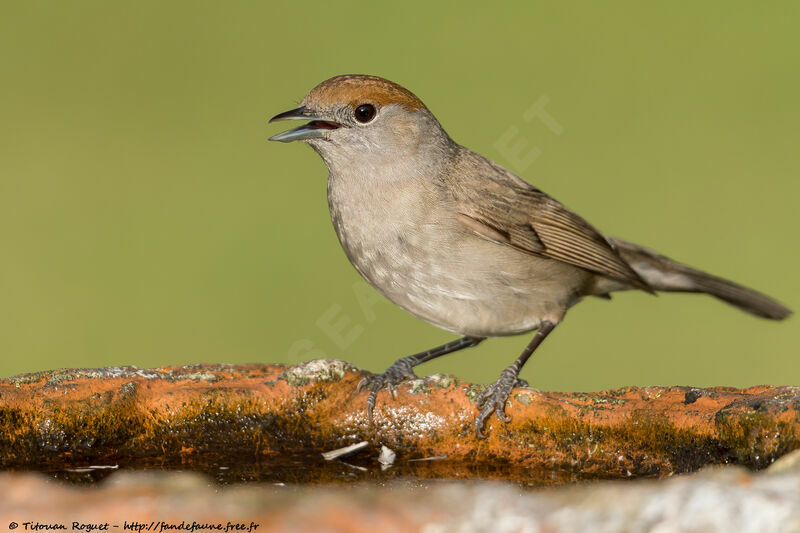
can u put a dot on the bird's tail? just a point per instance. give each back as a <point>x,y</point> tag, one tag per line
<point>664,274</point>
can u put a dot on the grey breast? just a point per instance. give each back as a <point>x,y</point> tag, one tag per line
<point>407,243</point>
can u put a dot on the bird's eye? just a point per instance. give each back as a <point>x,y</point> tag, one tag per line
<point>364,113</point>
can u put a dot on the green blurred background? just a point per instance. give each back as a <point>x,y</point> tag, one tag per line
<point>146,220</point>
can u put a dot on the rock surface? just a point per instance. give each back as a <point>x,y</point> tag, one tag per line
<point>722,499</point>
<point>261,413</point>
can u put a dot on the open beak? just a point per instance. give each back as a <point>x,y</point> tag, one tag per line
<point>315,128</point>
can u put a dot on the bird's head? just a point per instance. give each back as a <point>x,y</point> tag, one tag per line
<point>358,118</point>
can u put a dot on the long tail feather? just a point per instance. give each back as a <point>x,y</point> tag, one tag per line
<point>664,274</point>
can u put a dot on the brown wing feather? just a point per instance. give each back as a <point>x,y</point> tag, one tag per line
<point>524,217</point>
<point>569,238</point>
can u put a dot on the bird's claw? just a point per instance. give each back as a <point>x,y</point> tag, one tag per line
<point>394,375</point>
<point>494,397</point>
<point>522,384</point>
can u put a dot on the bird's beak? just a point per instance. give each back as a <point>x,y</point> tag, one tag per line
<point>315,128</point>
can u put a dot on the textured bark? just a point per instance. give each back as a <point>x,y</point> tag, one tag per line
<point>263,413</point>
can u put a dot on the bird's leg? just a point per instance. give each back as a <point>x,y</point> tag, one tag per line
<point>401,370</point>
<point>495,396</point>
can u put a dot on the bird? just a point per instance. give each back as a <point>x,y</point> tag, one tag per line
<point>461,242</point>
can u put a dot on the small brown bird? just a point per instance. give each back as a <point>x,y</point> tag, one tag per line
<point>459,241</point>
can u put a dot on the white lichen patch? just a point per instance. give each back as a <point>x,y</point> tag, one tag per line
<point>407,420</point>
<point>411,420</point>
<point>125,371</point>
<point>59,377</point>
<point>199,376</point>
<point>427,383</point>
<point>524,398</point>
<point>317,370</point>
<point>653,393</point>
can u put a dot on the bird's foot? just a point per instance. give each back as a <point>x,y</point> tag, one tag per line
<point>400,371</point>
<point>494,397</point>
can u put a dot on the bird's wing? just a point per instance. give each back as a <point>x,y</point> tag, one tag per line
<point>519,215</point>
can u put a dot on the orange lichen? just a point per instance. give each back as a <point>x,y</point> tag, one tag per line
<point>255,413</point>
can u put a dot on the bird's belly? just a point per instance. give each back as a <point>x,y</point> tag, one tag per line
<point>466,285</point>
